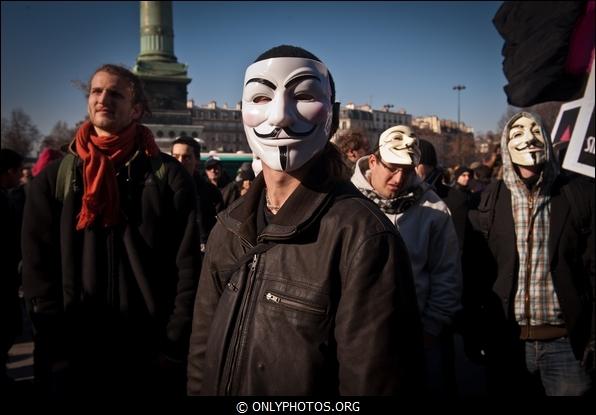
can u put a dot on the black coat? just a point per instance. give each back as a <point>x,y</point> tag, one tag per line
<point>107,302</point>
<point>571,247</point>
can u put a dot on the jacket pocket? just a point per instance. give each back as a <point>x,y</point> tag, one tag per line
<point>294,303</point>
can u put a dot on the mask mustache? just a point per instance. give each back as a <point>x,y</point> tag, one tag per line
<point>534,142</point>
<point>287,130</point>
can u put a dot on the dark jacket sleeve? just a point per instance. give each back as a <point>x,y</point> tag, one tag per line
<point>42,281</point>
<point>206,300</point>
<point>378,328</point>
<point>188,263</point>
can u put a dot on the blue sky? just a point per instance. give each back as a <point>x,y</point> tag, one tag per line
<point>408,54</point>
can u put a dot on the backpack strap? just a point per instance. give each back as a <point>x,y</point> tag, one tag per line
<point>158,167</point>
<point>256,250</point>
<point>66,176</point>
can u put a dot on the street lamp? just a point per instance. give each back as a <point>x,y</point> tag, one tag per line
<point>458,88</point>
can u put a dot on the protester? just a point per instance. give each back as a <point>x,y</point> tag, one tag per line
<point>215,173</point>
<point>388,178</point>
<point>428,169</point>
<point>240,185</point>
<point>540,229</point>
<point>306,288</point>
<point>46,156</point>
<point>109,245</point>
<point>353,145</point>
<point>209,199</point>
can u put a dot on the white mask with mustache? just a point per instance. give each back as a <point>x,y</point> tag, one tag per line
<point>287,110</point>
<point>526,142</point>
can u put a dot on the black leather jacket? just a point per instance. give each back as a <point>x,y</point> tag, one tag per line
<point>321,302</point>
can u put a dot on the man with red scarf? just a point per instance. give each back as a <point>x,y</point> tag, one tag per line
<point>110,268</point>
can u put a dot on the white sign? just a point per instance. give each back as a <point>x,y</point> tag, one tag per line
<point>575,123</point>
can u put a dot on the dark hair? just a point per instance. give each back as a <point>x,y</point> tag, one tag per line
<point>9,159</point>
<point>288,51</point>
<point>351,140</point>
<point>482,172</point>
<point>428,155</point>
<point>461,170</point>
<point>134,82</point>
<point>191,142</point>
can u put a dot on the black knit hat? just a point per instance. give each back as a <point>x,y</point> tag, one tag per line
<point>461,170</point>
<point>428,155</point>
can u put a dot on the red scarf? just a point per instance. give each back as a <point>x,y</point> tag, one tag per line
<point>102,156</point>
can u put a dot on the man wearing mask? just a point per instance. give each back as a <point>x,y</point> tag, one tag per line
<point>306,287</point>
<point>388,178</point>
<point>540,230</point>
<point>110,260</point>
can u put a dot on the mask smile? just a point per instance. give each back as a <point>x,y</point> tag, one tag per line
<point>289,132</point>
<point>532,145</point>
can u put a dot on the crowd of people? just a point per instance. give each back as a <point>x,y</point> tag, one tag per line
<point>338,269</point>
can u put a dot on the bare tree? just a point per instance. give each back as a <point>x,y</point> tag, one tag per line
<point>60,135</point>
<point>19,133</point>
<point>510,112</point>
<point>461,149</point>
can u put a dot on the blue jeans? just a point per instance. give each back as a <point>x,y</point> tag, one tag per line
<point>560,372</point>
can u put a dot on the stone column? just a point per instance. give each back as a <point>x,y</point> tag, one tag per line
<point>157,33</point>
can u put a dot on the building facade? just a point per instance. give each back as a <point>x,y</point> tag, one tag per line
<point>223,130</point>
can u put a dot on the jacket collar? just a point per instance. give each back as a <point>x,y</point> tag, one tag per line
<point>301,209</point>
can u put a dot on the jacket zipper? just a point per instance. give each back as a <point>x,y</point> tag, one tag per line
<point>293,303</point>
<point>236,349</point>
<point>529,264</point>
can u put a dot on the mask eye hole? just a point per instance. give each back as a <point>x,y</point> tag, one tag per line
<point>303,96</point>
<point>261,99</point>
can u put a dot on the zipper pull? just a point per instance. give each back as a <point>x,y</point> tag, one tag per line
<point>254,262</point>
<point>272,298</point>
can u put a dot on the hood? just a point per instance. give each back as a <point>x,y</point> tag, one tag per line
<point>551,166</point>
